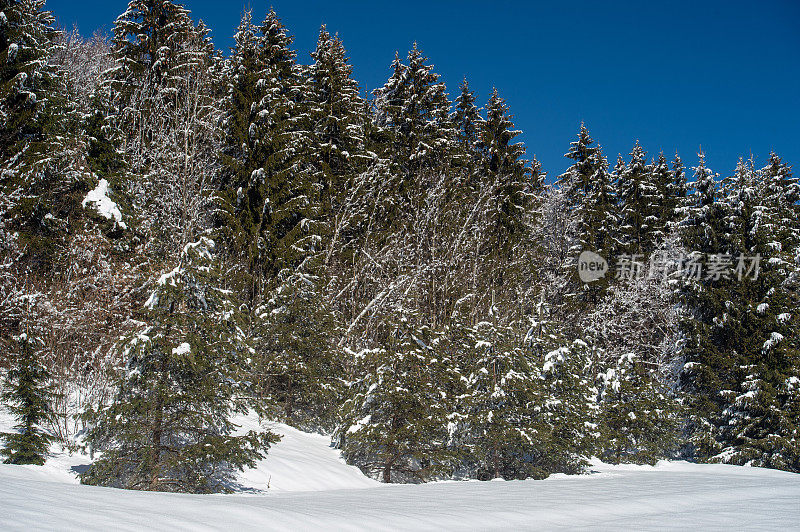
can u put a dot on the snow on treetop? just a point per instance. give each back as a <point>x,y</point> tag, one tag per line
<point>104,205</point>
<point>555,358</point>
<point>182,349</point>
<point>168,278</point>
<point>774,339</point>
<point>202,247</point>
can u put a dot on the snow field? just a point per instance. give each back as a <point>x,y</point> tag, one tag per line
<point>303,484</point>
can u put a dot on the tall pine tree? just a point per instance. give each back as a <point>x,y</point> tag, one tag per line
<point>169,426</point>
<point>28,395</point>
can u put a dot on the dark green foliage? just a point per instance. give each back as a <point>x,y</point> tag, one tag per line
<point>577,180</point>
<point>267,195</point>
<point>150,40</point>
<point>742,351</point>
<point>38,174</point>
<point>591,200</point>
<point>28,396</point>
<point>336,116</point>
<point>569,407</point>
<point>676,191</point>
<point>640,199</point>
<point>395,423</point>
<point>709,364</point>
<point>504,168</point>
<point>413,112</point>
<point>590,195</point>
<point>297,365</point>
<point>639,418</point>
<point>666,199</point>
<point>505,434</point>
<point>469,124</point>
<point>169,427</point>
<point>600,216</point>
<point>26,80</point>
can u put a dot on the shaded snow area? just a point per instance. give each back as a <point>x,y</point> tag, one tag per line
<point>310,487</point>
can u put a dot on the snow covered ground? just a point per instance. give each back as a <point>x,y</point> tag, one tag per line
<point>665,497</point>
<point>304,484</point>
<point>299,462</point>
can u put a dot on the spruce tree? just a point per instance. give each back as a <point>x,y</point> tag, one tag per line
<point>668,197</point>
<point>591,195</point>
<point>576,182</point>
<point>28,396</point>
<point>709,364</point>
<point>782,206</point>
<point>740,351</point>
<point>619,168</point>
<point>679,188</point>
<point>336,121</point>
<point>639,200</point>
<point>600,217</point>
<point>395,423</point>
<point>469,125</point>
<point>505,433</point>
<point>149,44</point>
<point>598,226</point>
<point>267,197</point>
<point>298,371</point>
<point>37,179</point>
<point>155,46</point>
<point>504,168</point>
<point>506,183</point>
<point>169,426</point>
<point>638,416</point>
<point>754,426</point>
<point>414,111</point>
<point>569,409</point>
<point>26,40</point>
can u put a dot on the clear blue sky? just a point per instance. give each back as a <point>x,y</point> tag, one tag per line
<point>674,75</point>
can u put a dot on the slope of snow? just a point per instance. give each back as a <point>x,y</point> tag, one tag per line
<point>669,496</point>
<point>299,462</point>
<point>303,483</point>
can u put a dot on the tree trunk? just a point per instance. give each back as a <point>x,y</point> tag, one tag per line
<point>158,415</point>
<point>155,451</point>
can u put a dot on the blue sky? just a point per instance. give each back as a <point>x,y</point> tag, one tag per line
<point>675,75</point>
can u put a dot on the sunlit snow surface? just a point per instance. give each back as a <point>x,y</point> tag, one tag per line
<point>311,488</point>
